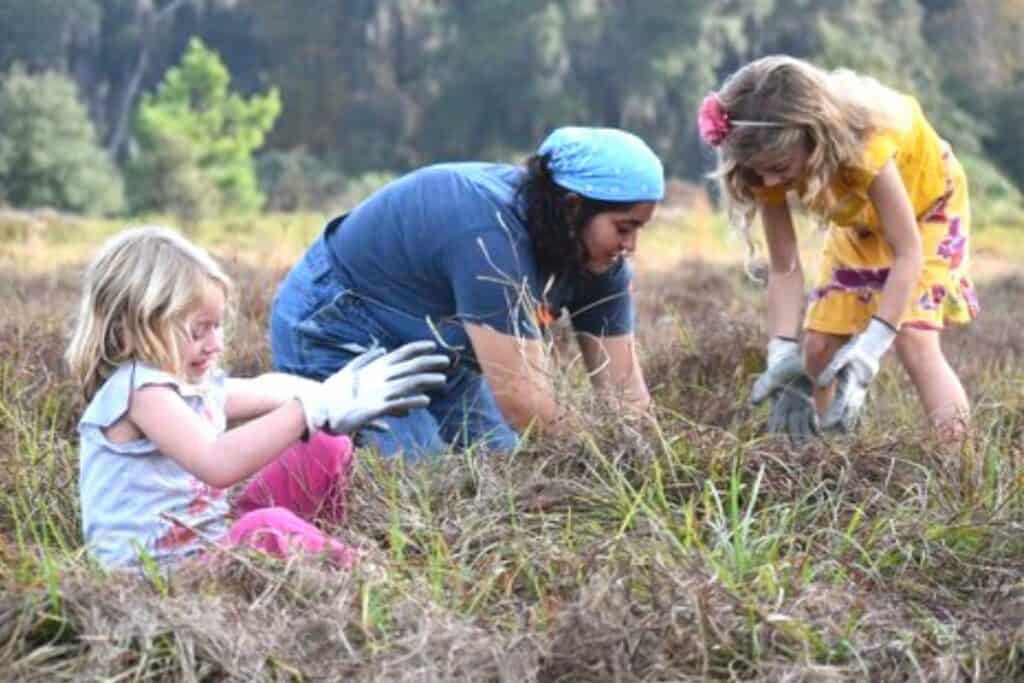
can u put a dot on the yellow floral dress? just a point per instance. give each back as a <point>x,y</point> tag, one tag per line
<point>856,258</point>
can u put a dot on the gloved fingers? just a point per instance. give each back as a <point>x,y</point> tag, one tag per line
<point>851,414</point>
<point>376,425</point>
<point>414,384</point>
<point>764,386</point>
<point>419,364</point>
<point>777,417</point>
<point>411,350</point>
<point>795,424</point>
<point>803,422</point>
<point>778,413</point>
<point>346,420</point>
<point>801,415</point>
<point>793,412</point>
<point>841,420</point>
<point>813,423</point>
<point>832,419</point>
<point>783,405</point>
<point>365,358</point>
<point>775,377</point>
<point>842,411</point>
<point>402,405</point>
<point>787,416</point>
<point>357,349</point>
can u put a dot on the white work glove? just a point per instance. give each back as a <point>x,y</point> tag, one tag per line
<point>373,384</point>
<point>785,363</point>
<point>854,366</point>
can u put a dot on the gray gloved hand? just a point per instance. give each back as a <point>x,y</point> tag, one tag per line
<point>373,384</point>
<point>785,363</point>
<point>793,412</point>
<point>786,383</point>
<point>853,367</point>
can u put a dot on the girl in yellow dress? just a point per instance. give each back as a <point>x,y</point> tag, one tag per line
<point>866,163</point>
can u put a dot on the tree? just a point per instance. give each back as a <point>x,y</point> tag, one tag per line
<point>195,136</point>
<point>145,24</point>
<point>49,155</point>
<point>354,75</point>
<point>1007,141</point>
<point>42,34</point>
<point>980,44</point>
<point>498,79</point>
<point>644,66</point>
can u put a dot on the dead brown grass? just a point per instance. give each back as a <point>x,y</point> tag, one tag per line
<point>697,551</point>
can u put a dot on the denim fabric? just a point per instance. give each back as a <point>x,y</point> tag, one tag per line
<point>313,315</point>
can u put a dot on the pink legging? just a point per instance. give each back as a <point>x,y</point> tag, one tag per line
<point>307,482</point>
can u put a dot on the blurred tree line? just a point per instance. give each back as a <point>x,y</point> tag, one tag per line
<point>317,96</point>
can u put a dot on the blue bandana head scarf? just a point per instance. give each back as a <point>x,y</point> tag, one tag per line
<point>604,163</point>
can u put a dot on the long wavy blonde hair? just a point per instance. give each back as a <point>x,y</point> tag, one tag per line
<point>830,114</point>
<point>137,296</point>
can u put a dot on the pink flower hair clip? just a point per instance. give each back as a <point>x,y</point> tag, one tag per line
<point>714,122</point>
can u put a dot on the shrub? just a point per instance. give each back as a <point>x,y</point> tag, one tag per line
<point>49,156</point>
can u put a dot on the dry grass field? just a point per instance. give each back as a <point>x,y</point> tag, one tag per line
<point>700,550</point>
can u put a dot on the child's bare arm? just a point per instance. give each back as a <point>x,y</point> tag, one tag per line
<point>218,460</point>
<point>250,397</point>
<point>785,276</point>
<point>899,229</point>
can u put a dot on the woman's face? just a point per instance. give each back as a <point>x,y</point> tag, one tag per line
<point>612,234</point>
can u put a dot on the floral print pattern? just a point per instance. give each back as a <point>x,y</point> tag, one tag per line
<point>864,282</point>
<point>856,265</point>
<point>953,245</point>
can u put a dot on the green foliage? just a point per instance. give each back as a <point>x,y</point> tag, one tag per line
<point>1006,143</point>
<point>48,150</point>
<point>995,200</point>
<point>482,53</point>
<point>196,140</point>
<point>980,46</point>
<point>39,33</point>
<point>645,71</point>
<point>352,74</point>
<point>373,86</point>
<point>168,177</point>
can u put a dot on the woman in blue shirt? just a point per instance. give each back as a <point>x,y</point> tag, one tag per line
<point>480,257</point>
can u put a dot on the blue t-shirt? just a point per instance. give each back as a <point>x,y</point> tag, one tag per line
<point>448,244</point>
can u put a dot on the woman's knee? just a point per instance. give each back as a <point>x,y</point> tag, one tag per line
<point>414,435</point>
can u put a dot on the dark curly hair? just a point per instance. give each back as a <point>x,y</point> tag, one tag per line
<point>555,225</point>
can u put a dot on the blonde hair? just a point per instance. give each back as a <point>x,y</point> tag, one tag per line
<point>831,114</point>
<point>137,294</point>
